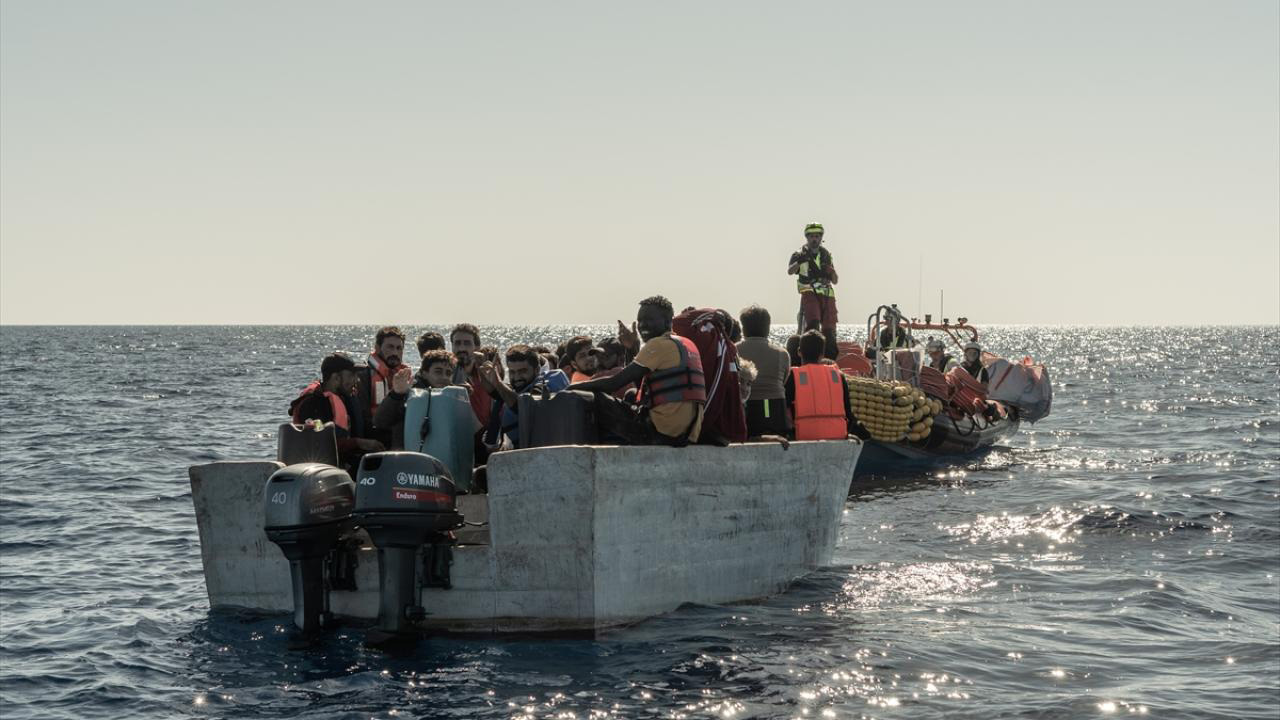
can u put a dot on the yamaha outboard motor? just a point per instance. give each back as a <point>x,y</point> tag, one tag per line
<point>307,507</point>
<point>404,500</point>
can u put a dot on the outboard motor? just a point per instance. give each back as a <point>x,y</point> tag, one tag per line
<point>307,507</point>
<point>403,500</point>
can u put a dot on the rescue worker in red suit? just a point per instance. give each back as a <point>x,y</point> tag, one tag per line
<point>818,394</point>
<point>669,406</point>
<point>724,420</point>
<point>375,383</point>
<point>815,277</point>
<point>326,400</point>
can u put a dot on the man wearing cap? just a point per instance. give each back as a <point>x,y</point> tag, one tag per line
<point>816,276</point>
<point>326,400</point>
<point>938,358</point>
<point>611,357</point>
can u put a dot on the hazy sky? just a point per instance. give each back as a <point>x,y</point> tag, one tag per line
<point>1069,162</point>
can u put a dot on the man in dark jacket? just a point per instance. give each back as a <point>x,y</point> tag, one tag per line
<point>327,401</point>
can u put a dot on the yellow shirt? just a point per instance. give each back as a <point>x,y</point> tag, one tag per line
<point>670,419</point>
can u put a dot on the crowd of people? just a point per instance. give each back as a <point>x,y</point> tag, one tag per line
<point>699,376</point>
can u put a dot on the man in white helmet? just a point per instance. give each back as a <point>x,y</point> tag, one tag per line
<point>938,358</point>
<point>973,361</point>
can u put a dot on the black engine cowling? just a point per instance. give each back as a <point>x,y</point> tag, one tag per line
<point>307,507</point>
<point>403,500</point>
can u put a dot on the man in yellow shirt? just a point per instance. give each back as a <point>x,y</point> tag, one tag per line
<point>668,371</point>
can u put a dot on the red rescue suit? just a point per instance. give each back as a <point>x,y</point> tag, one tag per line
<point>819,403</point>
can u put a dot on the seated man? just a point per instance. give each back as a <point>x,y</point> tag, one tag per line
<point>767,409</point>
<point>325,400</point>
<point>668,369</point>
<point>465,339</point>
<point>938,358</point>
<point>375,381</point>
<point>429,341</point>
<point>436,372</point>
<point>611,357</point>
<point>582,364</point>
<point>818,393</point>
<point>973,362</point>
<point>893,334</point>
<point>526,375</point>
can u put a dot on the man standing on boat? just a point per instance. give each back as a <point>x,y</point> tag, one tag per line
<point>815,277</point>
<point>668,370</point>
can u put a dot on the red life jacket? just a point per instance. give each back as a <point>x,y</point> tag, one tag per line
<point>819,403</point>
<point>681,383</point>
<point>338,407</point>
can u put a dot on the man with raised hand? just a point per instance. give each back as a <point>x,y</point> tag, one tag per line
<point>668,370</point>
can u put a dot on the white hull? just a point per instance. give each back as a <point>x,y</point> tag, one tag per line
<point>579,538</point>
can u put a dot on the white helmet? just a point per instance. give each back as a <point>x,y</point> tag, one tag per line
<point>934,344</point>
<point>972,345</point>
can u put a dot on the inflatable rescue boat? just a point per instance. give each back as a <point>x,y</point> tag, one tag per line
<point>915,415</point>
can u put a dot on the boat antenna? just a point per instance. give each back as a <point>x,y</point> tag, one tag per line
<point>920,288</point>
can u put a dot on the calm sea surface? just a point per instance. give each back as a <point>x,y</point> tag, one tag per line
<point>1121,557</point>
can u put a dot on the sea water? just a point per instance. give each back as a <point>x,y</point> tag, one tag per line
<point>1119,558</point>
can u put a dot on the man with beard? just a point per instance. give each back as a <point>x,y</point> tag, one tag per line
<point>526,375</point>
<point>582,363</point>
<point>465,340</point>
<point>375,382</point>
<point>668,370</point>
<point>325,400</point>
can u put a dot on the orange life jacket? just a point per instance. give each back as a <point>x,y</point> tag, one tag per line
<point>335,403</point>
<point>819,403</point>
<point>681,383</point>
<point>379,382</point>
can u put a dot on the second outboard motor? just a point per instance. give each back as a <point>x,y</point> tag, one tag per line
<point>403,500</point>
<point>307,507</point>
